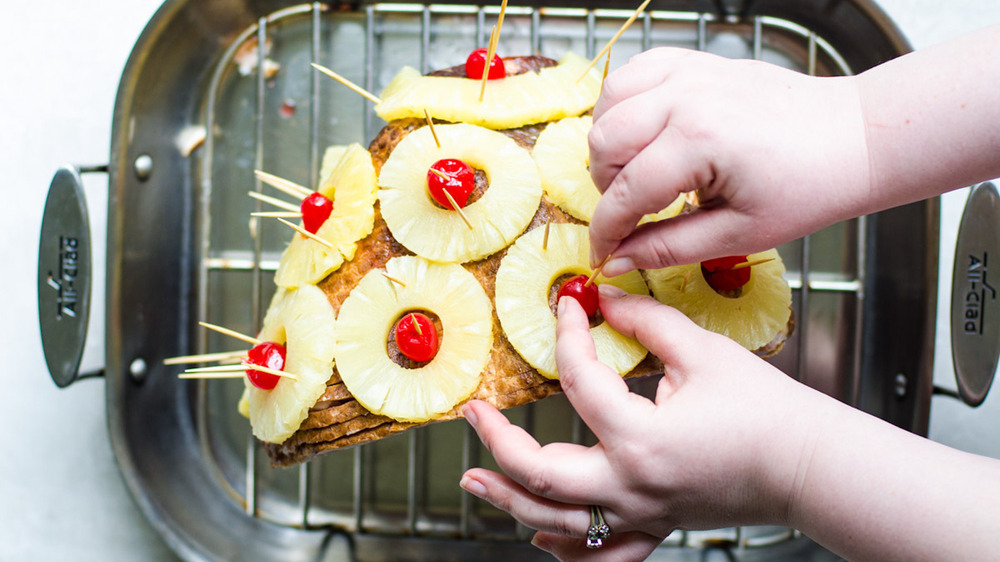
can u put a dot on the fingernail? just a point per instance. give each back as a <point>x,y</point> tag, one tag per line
<point>474,487</point>
<point>561,306</point>
<point>610,291</point>
<point>618,266</point>
<point>470,415</point>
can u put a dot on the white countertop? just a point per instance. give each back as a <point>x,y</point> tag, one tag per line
<point>61,496</point>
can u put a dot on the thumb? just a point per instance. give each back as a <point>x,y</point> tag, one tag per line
<point>691,238</point>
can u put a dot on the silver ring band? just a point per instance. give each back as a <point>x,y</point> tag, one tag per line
<point>598,530</point>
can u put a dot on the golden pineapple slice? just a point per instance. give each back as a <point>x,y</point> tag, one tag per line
<point>752,319</point>
<point>440,234</point>
<point>563,158</point>
<point>515,101</point>
<point>523,283</point>
<point>371,311</point>
<point>303,321</point>
<point>351,187</point>
<point>331,158</point>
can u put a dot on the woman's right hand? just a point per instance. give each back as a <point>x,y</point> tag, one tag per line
<point>772,154</point>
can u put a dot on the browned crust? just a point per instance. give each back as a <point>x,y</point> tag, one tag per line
<point>508,380</point>
<point>511,65</point>
<point>339,421</point>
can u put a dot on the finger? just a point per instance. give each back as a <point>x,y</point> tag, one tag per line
<point>629,546</point>
<point>559,471</point>
<point>623,132</point>
<point>535,512</point>
<point>648,183</point>
<point>689,238</point>
<point>597,393</point>
<point>643,72</point>
<point>663,330</point>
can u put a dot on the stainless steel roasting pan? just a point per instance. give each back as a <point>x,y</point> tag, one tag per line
<point>180,249</point>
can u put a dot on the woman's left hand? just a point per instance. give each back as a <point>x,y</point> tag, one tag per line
<point>719,446</point>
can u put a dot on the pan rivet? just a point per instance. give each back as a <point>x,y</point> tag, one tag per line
<point>901,384</point>
<point>143,167</point>
<point>138,369</point>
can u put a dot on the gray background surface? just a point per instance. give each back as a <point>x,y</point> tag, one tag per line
<point>61,496</point>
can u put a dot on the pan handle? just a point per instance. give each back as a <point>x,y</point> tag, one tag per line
<point>64,275</point>
<point>975,302</point>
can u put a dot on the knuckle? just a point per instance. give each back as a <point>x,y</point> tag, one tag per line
<point>662,252</point>
<point>538,481</point>
<point>564,524</point>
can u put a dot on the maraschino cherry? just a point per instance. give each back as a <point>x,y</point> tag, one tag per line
<point>416,337</point>
<point>266,354</point>
<point>476,62</point>
<point>721,276</point>
<point>316,208</point>
<point>586,295</point>
<point>460,182</point>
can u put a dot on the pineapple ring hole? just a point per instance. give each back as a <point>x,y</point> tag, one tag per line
<point>482,184</point>
<point>392,349</point>
<point>596,320</point>
<point>734,294</point>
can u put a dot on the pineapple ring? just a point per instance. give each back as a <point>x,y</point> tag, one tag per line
<point>303,321</point>
<point>523,282</point>
<point>438,234</point>
<point>533,97</point>
<point>369,313</point>
<point>350,184</point>
<point>563,158</point>
<point>752,320</point>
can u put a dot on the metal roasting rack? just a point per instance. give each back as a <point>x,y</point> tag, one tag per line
<point>398,486</point>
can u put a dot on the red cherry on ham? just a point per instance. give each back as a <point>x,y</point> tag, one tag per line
<point>476,62</point>
<point>266,354</point>
<point>416,337</point>
<point>587,296</point>
<point>316,208</point>
<point>460,182</point>
<point>721,276</point>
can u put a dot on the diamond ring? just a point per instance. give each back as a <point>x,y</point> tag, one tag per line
<point>598,530</point>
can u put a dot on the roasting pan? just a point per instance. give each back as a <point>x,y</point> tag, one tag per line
<point>181,249</point>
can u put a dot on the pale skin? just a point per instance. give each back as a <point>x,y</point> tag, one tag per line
<point>730,440</point>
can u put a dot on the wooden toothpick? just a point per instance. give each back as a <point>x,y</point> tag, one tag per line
<point>597,272</point>
<point>416,325</point>
<point>393,279</point>
<point>545,236</point>
<point>237,374</point>
<point>283,185</point>
<point>455,207</point>
<point>204,357</point>
<point>621,30</point>
<point>231,333</point>
<point>492,49</point>
<point>751,263</point>
<point>430,123</point>
<point>440,174</point>
<point>604,75</point>
<point>307,234</point>
<point>346,82</point>
<point>278,214</point>
<point>269,371</point>
<point>273,201</point>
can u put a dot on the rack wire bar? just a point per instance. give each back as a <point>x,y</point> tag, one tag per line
<point>468,522</point>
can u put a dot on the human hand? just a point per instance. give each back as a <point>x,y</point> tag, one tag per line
<point>719,446</point>
<point>773,155</point>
